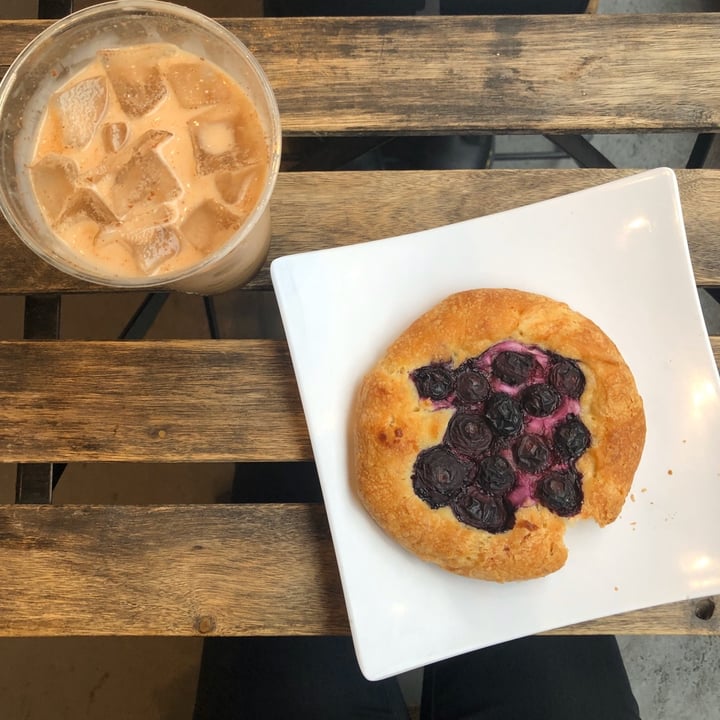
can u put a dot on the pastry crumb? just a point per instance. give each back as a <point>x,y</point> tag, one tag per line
<point>643,489</point>
<point>632,496</point>
<point>616,588</point>
<point>670,472</point>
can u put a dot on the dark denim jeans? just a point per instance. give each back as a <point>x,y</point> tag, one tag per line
<point>301,678</point>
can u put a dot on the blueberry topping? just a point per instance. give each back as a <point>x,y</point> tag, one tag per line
<point>488,450</point>
<point>531,453</point>
<point>513,368</point>
<point>433,381</point>
<point>468,434</point>
<point>482,511</point>
<point>504,414</point>
<point>567,378</point>
<point>560,492</point>
<point>495,475</point>
<point>438,475</point>
<point>540,400</point>
<point>471,386</point>
<point>571,438</point>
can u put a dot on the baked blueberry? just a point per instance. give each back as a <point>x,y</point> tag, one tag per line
<point>560,491</point>
<point>513,368</point>
<point>468,434</point>
<point>504,414</point>
<point>471,386</point>
<point>438,475</point>
<point>495,475</point>
<point>531,453</point>
<point>567,378</point>
<point>540,400</point>
<point>433,381</point>
<point>485,512</point>
<point>571,438</point>
<point>466,472</point>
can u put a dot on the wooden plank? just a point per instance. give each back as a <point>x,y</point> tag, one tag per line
<point>178,570</point>
<point>680,618</point>
<point>155,401</point>
<point>149,401</point>
<point>201,570</point>
<point>320,210</point>
<point>312,211</point>
<point>580,73</point>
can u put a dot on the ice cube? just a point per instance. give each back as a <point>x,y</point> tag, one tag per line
<point>145,178</point>
<point>85,206</point>
<point>209,225</point>
<point>115,135</point>
<point>142,218</point>
<point>233,185</point>
<point>79,109</point>
<point>112,163</point>
<point>135,76</point>
<point>219,142</point>
<point>153,246</point>
<point>53,178</point>
<point>197,83</point>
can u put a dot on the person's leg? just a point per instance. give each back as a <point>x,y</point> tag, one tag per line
<point>512,7</point>
<point>304,678</point>
<point>535,678</point>
<point>285,8</point>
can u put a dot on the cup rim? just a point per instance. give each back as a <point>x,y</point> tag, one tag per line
<point>157,8</point>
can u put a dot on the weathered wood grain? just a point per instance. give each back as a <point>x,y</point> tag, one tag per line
<point>320,210</point>
<point>678,618</point>
<point>178,570</point>
<point>149,401</point>
<point>312,211</point>
<point>159,401</point>
<point>582,73</point>
<point>201,570</point>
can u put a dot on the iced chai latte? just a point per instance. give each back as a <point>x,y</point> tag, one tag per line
<point>148,160</point>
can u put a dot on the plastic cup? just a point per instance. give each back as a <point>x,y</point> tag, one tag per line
<point>53,57</point>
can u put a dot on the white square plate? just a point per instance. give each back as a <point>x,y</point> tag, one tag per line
<point>616,253</point>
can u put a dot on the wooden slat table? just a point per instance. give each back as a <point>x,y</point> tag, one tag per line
<point>270,569</point>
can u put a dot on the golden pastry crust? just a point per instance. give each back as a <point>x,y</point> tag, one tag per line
<point>392,425</point>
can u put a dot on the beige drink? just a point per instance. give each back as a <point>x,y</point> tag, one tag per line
<point>150,159</point>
